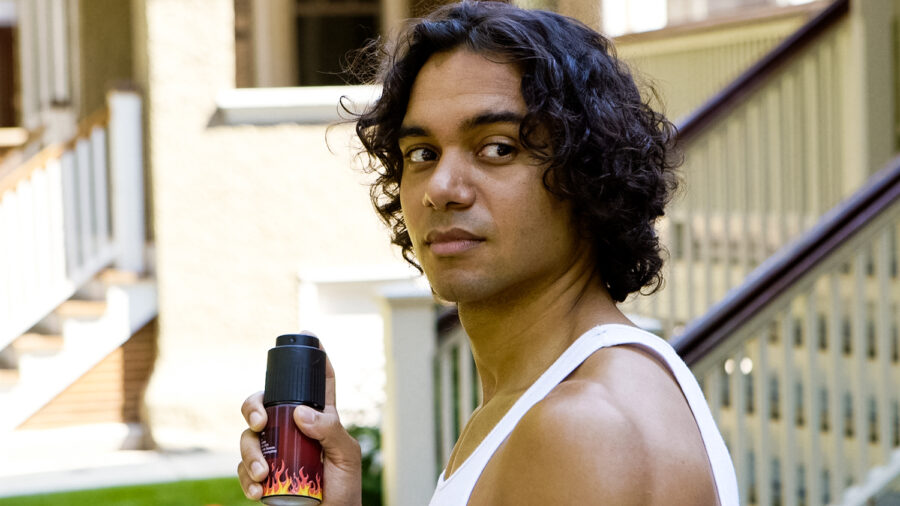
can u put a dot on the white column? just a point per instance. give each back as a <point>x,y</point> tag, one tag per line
<point>28,63</point>
<point>59,56</point>
<point>393,12</point>
<point>275,42</point>
<point>408,430</point>
<point>126,171</point>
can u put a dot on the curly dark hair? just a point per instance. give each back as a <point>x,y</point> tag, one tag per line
<point>605,149</point>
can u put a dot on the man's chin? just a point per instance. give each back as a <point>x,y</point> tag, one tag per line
<point>459,292</point>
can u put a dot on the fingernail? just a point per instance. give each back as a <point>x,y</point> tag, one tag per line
<point>307,415</point>
<point>255,419</point>
<point>258,468</point>
<point>255,490</point>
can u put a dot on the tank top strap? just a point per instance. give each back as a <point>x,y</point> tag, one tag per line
<point>581,349</point>
<point>456,489</point>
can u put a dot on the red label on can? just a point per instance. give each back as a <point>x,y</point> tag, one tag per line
<point>295,461</point>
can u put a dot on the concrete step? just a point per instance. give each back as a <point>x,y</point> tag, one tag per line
<point>38,344</point>
<point>8,378</point>
<point>81,309</point>
<point>118,277</point>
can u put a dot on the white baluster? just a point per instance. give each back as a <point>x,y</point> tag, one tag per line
<point>761,372</point>
<point>756,122</point>
<point>740,442</point>
<point>57,268</point>
<point>101,189</point>
<point>812,380</point>
<point>6,243</point>
<point>465,381</point>
<point>28,63</point>
<point>789,411</point>
<point>13,242</point>
<point>448,435</point>
<point>43,50</point>
<point>42,231</point>
<point>707,188</point>
<point>71,222</point>
<point>744,196</point>
<point>859,381</point>
<point>26,262</point>
<point>690,262</point>
<point>85,198</point>
<point>836,384</point>
<point>59,56</point>
<point>882,384</point>
<point>812,167</point>
<point>775,209</point>
<point>713,390</point>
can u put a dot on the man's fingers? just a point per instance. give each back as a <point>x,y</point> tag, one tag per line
<point>338,445</point>
<point>252,489</point>
<point>329,372</point>
<point>254,412</point>
<point>330,399</point>
<point>252,457</point>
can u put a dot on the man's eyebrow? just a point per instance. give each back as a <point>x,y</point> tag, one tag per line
<point>486,118</point>
<point>411,131</point>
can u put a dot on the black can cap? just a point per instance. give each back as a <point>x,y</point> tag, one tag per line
<point>295,372</point>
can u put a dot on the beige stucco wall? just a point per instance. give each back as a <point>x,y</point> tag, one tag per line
<point>238,212</point>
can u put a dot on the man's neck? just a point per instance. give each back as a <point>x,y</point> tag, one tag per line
<point>516,339</point>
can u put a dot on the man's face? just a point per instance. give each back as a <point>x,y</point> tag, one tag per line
<point>481,222</point>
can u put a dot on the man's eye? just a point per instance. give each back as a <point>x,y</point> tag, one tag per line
<point>418,155</point>
<point>497,150</point>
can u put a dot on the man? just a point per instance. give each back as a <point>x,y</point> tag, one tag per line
<point>519,167</point>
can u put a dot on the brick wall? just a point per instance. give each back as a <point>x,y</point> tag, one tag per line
<point>112,391</point>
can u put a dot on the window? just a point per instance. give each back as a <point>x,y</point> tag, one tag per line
<point>300,42</point>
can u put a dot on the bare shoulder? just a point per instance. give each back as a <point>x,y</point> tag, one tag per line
<point>617,431</point>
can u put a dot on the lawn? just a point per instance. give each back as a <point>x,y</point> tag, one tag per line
<point>217,492</point>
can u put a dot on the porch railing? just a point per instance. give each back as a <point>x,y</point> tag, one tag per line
<point>48,65</point>
<point>70,211</point>
<point>709,55</point>
<point>800,365</point>
<point>758,176</point>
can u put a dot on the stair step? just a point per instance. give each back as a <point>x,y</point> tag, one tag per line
<point>8,378</point>
<point>81,309</point>
<point>38,343</point>
<point>118,277</point>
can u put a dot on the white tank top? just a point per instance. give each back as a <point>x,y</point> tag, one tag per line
<point>456,490</point>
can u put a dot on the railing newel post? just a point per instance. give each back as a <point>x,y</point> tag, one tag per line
<point>126,171</point>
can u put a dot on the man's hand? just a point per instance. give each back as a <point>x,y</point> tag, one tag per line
<point>343,468</point>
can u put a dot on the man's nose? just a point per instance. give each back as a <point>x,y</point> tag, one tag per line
<point>449,185</point>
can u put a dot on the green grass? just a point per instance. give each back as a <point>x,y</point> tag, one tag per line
<point>221,492</point>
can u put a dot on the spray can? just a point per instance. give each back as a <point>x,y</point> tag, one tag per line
<point>295,375</point>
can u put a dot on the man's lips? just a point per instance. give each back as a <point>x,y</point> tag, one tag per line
<point>452,241</point>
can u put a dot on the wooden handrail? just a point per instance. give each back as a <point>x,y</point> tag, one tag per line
<point>9,180</point>
<point>754,77</point>
<point>781,271</point>
<point>24,171</point>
